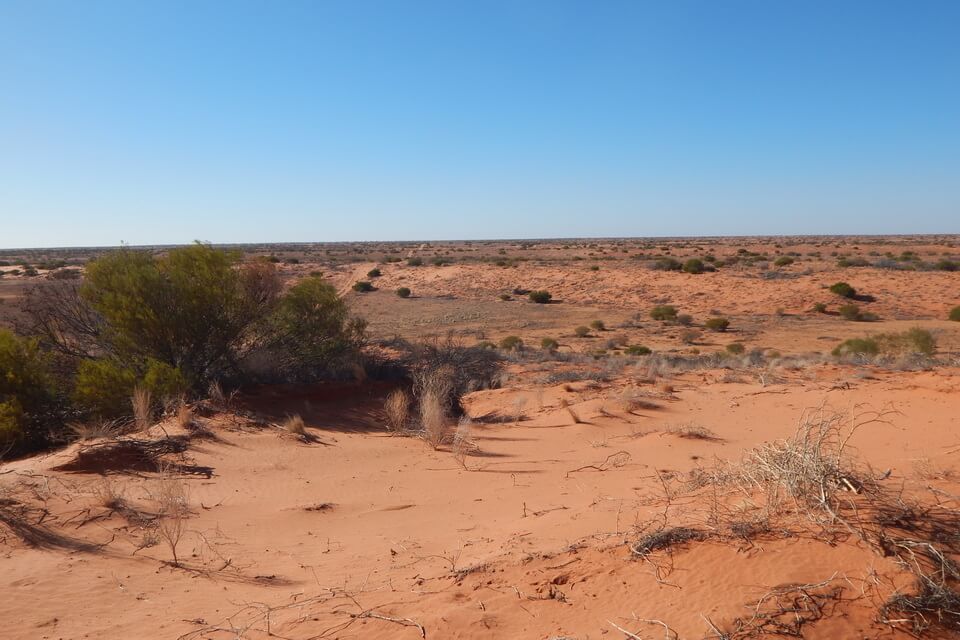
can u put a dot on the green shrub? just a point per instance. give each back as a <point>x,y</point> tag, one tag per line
<point>103,388</point>
<point>540,297</point>
<point>594,268</point>
<point>685,319</point>
<point>637,350</point>
<point>843,290</point>
<point>857,346</point>
<point>362,286</point>
<point>511,343</point>
<point>581,331</point>
<point>735,348</point>
<point>666,264</point>
<point>414,262</point>
<point>598,325</point>
<point>954,314</point>
<point>374,273</point>
<point>403,292</point>
<point>664,312</point>
<point>783,261</point>
<point>915,340</point>
<point>717,324</point>
<point>549,344</point>
<point>693,265</point>
<point>819,307</point>
<point>849,312</point>
<point>163,381</point>
<point>26,391</point>
<point>311,331</point>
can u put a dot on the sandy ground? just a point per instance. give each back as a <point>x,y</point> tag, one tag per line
<point>390,523</point>
<point>356,533</point>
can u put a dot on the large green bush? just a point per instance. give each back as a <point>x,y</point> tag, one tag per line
<point>197,311</point>
<point>954,314</point>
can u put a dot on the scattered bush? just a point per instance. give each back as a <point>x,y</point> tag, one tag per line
<point>362,286</point>
<point>913,341</point>
<point>954,314</point>
<point>689,336</point>
<point>666,264</point>
<point>819,307</point>
<point>414,262</point>
<point>693,265</point>
<point>685,319</point>
<point>505,297</point>
<point>735,348</point>
<point>374,273</point>
<point>598,325</point>
<point>549,344</point>
<point>853,312</point>
<point>783,261</point>
<point>403,292</point>
<point>581,331</point>
<point>511,343</point>
<point>664,313</point>
<point>540,297</point>
<point>843,290</point>
<point>637,350</point>
<point>717,324</point>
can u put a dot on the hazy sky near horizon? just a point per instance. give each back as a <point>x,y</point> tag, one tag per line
<point>164,121</point>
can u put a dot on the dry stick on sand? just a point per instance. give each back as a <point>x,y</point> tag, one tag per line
<point>573,414</point>
<point>612,461</point>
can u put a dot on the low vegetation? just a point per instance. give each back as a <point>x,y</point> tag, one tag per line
<point>717,324</point>
<point>843,290</point>
<point>540,297</point>
<point>664,313</point>
<point>914,341</point>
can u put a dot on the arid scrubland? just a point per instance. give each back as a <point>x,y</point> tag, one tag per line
<point>697,438</point>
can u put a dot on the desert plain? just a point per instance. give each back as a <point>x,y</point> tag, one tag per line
<point>621,476</point>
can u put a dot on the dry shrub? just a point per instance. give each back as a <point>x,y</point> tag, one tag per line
<point>433,419</point>
<point>171,498</point>
<point>109,495</point>
<point>463,445</point>
<point>665,538</point>
<point>634,400</point>
<point>692,431</point>
<point>294,425</point>
<point>450,370</point>
<point>397,409</point>
<point>142,403</point>
<point>184,416</point>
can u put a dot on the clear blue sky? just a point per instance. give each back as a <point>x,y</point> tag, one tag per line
<point>164,122</point>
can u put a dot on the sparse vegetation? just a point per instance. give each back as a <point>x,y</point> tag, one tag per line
<point>637,350</point>
<point>581,331</point>
<point>374,273</point>
<point>717,324</point>
<point>664,313</point>
<point>511,343</point>
<point>397,409</point>
<point>540,297</point>
<point>598,325</point>
<point>843,290</point>
<point>362,286</point>
<point>954,314</point>
<point>403,292</point>
<point>549,344</point>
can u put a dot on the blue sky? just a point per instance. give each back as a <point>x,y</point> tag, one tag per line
<point>165,122</point>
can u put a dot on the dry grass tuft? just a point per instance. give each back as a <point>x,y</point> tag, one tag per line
<point>463,445</point>
<point>184,416</point>
<point>142,403</point>
<point>433,419</point>
<point>96,429</point>
<point>295,425</point>
<point>397,409</point>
